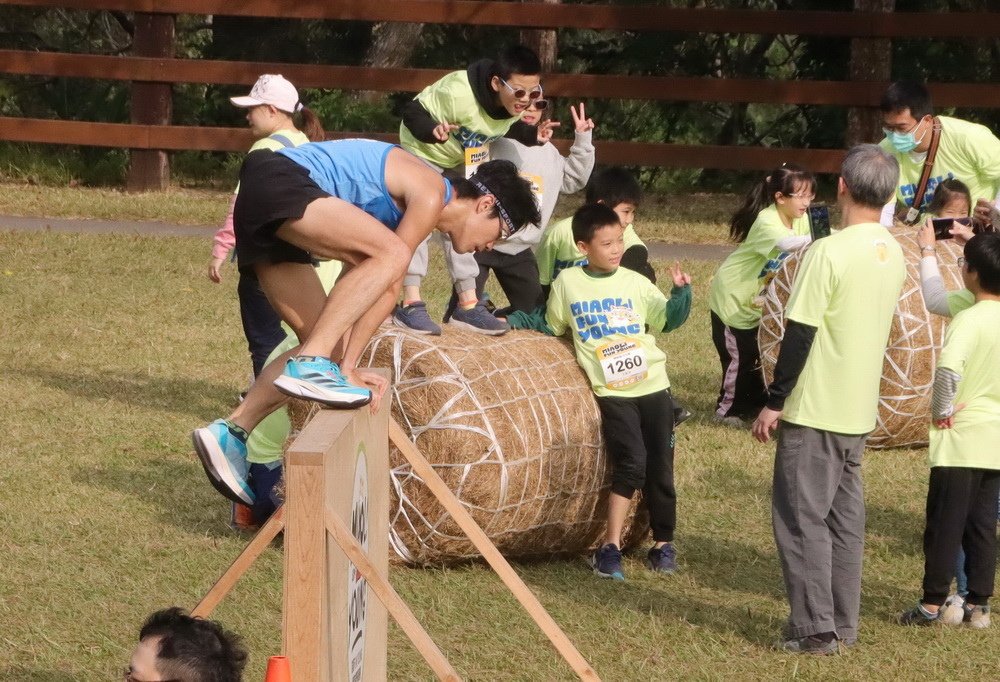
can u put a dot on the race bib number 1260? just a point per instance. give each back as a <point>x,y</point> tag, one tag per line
<point>623,362</point>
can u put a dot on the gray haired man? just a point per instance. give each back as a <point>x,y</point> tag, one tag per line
<point>825,393</point>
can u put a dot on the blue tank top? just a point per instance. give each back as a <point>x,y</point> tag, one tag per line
<point>353,170</point>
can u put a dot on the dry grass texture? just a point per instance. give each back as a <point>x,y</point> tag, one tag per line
<point>510,423</point>
<point>914,343</point>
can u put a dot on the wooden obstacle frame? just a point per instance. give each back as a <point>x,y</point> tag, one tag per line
<point>336,524</point>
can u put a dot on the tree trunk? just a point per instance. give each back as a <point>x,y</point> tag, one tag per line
<point>871,60</point>
<point>543,42</point>
<point>392,46</point>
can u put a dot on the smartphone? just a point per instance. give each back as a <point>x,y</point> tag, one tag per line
<point>819,221</point>
<point>943,225</point>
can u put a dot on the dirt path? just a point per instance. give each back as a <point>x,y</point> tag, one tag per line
<point>657,250</point>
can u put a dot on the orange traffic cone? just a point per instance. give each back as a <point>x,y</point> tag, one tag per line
<point>278,670</point>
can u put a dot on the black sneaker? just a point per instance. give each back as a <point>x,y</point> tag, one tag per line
<point>681,415</point>
<point>662,559</point>
<point>607,562</point>
<point>918,615</point>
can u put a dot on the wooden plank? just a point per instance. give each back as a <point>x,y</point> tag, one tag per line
<point>682,89</point>
<point>238,140</point>
<point>304,611</point>
<point>422,468</point>
<point>400,612</point>
<point>964,25</point>
<point>663,88</point>
<point>247,557</point>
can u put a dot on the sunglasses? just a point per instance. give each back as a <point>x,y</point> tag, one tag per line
<point>521,93</point>
<point>539,104</point>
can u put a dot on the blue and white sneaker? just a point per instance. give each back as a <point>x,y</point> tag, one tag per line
<point>607,562</point>
<point>479,320</point>
<point>415,318</point>
<point>320,380</point>
<point>223,454</point>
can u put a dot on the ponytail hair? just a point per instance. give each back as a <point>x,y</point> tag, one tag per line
<point>310,124</point>
<point>786,180</point>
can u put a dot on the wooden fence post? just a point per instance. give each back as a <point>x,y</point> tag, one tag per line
<point>152,103</point>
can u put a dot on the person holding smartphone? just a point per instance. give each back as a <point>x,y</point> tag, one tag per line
<point>770,225</point>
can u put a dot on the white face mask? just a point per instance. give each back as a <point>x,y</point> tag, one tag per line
<point>904,142</point>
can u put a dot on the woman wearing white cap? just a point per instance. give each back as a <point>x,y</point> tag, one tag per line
<point>272,106</point>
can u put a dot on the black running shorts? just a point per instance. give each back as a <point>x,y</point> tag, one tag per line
<point>273,189</point>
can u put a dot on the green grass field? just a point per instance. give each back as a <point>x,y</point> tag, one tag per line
<point>114,348</point>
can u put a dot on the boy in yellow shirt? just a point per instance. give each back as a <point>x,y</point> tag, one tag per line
<point>965,465</point>
<point>608,308</point>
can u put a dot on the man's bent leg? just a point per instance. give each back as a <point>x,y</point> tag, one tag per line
<point>806,478</point>
<point>847,532</point>
<point>331,228</point>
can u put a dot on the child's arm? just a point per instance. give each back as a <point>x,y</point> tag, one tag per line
<point>679,304</point>
<point>580,162</point>
<point>535,321</point>
<point>421,124</point>
<point>525,134</point>
<point>222,244</point>
<point>943,408</point>
<point>636,256</point>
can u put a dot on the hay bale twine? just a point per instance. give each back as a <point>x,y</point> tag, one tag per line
<point>511,425</point>
<point>914,342</point>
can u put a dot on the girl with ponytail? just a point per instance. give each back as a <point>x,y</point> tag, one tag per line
<point>770,224</point>
<point>272,106</point>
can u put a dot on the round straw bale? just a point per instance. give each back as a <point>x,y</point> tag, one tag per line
<point>511,425</point>
<point>914,342</point>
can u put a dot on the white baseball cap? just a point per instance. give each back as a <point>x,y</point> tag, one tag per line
<point>271,89</point>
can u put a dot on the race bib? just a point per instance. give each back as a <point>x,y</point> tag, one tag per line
<point>537,185</point>
<point>474,158</point>
<point>623,361</point>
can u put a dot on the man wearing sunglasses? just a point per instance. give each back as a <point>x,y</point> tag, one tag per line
<point>966,151</point>
<point>450,125</point>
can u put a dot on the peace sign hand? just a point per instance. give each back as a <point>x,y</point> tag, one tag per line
<point>443,129</point>
<point>581,123</point>
<point>545,130</point>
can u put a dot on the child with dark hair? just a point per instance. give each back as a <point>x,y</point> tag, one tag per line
<point>450,125</point>
<point>615,188</point>
<point>551,174</point>
<point>965,469</point>
<point>952,199</point>
<point>176,646</point>
<point>770,224</point>
<point>608,309</point>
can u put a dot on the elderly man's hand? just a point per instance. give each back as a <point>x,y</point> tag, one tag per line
<point>765,424</point>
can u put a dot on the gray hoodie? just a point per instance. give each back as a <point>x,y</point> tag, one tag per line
<point>557,175</point>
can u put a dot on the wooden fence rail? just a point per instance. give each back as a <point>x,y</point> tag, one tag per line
<point>615,17</point>
<point>663,88</point>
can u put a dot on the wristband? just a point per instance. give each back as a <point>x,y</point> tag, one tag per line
<point>924,249</point>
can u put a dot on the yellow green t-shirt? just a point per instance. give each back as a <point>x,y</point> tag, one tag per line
<point>960,300</point>
<point>847,287</point>
<point>967,151</point>
<point>607,317</point>
<point>971,348</point>
<point>743,274</point>
<point>451,100</point>
<point>557,249</point>
<point>296,137</point>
